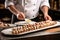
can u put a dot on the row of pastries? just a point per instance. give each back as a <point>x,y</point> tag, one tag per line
<point>31,27</point>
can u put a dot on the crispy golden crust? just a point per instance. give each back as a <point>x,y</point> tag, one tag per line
<point>3,25</point>
<point>31,27</point>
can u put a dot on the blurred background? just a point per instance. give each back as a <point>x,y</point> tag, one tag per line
<point>54,11</point>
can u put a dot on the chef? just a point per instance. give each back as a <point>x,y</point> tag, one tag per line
<point>28,8</point>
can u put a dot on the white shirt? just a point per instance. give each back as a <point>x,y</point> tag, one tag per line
<point>29,7</point>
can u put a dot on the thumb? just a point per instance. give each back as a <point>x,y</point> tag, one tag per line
<point>45,18</point>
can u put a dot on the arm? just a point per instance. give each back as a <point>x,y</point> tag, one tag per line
<point>13,9</point>
<point>44,7</point>
<point>10,5</point>
<point>19,14</point>
<point>44,10</point>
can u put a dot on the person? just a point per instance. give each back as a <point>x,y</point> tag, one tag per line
<point>28,8</point>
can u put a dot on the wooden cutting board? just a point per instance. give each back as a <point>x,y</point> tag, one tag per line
<point>53,30</point>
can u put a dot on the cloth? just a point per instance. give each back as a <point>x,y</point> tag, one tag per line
<point>29,7</point>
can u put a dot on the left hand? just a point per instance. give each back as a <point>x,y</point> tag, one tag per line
<point>47,17</point>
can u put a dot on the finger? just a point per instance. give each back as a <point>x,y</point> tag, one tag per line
<point>22,15</point>
<point>49,18</point>
<point>45,18</point>
<point>20,18</point>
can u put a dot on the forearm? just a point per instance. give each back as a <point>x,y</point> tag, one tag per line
<point>13,9</point>
<point>45,10</point>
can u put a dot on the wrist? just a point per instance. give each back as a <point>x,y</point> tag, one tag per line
<point>45,13</point>
<point>17,15</point>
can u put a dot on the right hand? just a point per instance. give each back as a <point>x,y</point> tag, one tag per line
<point>21,16</point>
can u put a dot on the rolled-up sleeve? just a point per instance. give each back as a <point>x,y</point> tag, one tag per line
<point>45,2</point>
<point>8,3</point>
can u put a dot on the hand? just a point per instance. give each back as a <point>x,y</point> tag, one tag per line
<point>20,16</point>
<point>47,17</point>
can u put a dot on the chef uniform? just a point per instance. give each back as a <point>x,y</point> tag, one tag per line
<point>29,7</point>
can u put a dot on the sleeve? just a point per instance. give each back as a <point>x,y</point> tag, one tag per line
<point>45,2</point>
<point>8,3</point>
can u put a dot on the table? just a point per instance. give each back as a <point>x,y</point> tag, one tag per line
<point>37,35</point>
